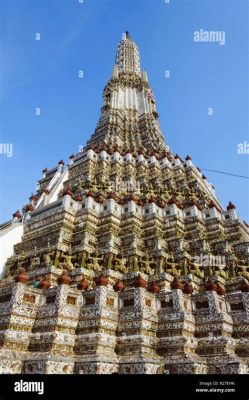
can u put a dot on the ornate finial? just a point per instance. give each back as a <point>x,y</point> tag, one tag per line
<point>102,280</point>
<point>83,284</point>
<point>230,206</point>
<point>119,286</point>
<point>22,276</point>
<point>220,290</point>
<point>209,285</point>
<point>17,214</point>
<point>44,283</point>
<point>64,279</point>
<point>153,287</point>
<point>176,283</point>
<point>139,282</point>
<point>188,288</point>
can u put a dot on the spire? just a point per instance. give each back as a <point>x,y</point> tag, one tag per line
<point>127,57</point>
<point>127,36</point>
<point>128,116</point>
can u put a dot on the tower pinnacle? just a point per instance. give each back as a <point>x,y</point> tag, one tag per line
<point>127,57</point>
<point>129,106</point>
<point>128,36</point>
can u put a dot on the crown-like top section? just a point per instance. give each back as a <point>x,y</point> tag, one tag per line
<point>127,57</point>
<point>128,116</point>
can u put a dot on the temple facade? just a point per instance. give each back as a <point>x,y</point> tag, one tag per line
<point>124,260</point>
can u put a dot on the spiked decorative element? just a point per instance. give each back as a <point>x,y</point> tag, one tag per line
<point>83,284</point>
<point>220,290</point>
<point>102,280</point>
<point>17,214</point>
<point>153,287</point>
<point>188,288</point>
<point>139,282</point>
<point>176,284</point>
<point>209,285</point>
<point>22,276</point>
<point>44,283</point>
<point>119,286</point>
<point>230,206</point>
<point>64,279</point>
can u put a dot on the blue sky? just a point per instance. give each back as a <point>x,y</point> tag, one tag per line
<point>84,36</point>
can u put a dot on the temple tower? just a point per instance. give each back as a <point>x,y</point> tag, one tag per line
<point>128,261</point>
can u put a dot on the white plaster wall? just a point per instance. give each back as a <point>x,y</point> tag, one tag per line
<point>9,236</point>
<point>54,186</point>
<point>54,194</point>
<point>130,98</point>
